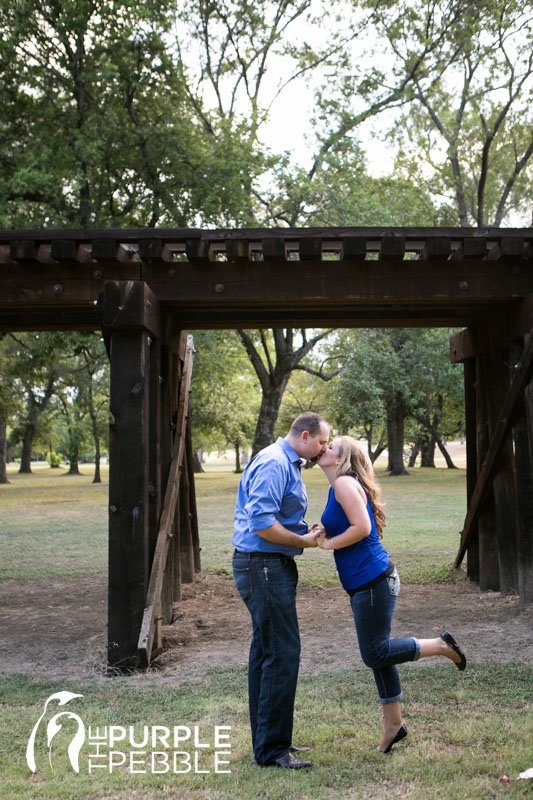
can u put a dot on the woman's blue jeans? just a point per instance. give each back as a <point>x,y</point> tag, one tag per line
<point>372,611</point>
<point>267,584</point>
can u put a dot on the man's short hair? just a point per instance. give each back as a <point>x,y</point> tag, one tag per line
<point>308,421</point>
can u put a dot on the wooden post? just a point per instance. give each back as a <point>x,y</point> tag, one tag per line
<point>489,571</point>
<point>186,541</point>
<point>192,500</point>
<point>472,563</point>
<point>155,488</point>
<point>131,325</point>
<point>524,488</point>
<point>504,487</point>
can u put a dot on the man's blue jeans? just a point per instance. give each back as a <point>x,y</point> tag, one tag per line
<point>372,611</point>
<point>267,584</point>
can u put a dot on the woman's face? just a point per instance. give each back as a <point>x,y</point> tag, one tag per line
<point>331,454</point>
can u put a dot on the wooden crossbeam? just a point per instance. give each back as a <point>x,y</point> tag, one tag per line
<point>494,331</point>
<point>490,465</point>
<point>152,609</point>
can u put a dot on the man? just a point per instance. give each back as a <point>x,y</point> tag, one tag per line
<point>269,531</point>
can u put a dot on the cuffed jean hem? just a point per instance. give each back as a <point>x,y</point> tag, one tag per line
<point>417,651</point>
<point>385,700</point>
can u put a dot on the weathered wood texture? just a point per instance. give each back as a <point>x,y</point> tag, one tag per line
<point>251,277</point>
<point>472,561</point>
<point>171,514</point>
<point>495,330</point>
<point>128,491</point>
<point>500,425</point>
<point>489,568</point>
<point>503,485</point>
<point>523,454</point>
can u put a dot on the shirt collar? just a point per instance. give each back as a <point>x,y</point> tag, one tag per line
<point>291,453</point>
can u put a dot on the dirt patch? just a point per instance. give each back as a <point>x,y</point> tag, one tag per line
<point>57,628</point>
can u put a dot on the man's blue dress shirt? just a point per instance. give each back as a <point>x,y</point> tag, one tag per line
<point>271,489</point>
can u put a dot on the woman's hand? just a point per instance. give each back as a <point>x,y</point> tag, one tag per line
<point>323,542</point>
<point>316,528</point>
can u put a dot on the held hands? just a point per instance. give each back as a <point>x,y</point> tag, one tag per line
<point>316,536</point>
<point>310,538</point>
<point>323,542</point>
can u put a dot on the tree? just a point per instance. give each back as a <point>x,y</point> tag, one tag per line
<point>280,356</point>
<point>224,397</point>
<point>470,122</point>
<point>392,376</point>
<point>98,124</point>
<point>32,366</point>
<point>9,402</point>
<point>94,384</point>
<point>437,395</point>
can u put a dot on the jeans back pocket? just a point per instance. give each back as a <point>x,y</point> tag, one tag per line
<point>393,582</point>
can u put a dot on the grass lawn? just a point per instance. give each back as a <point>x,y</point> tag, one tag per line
<point>465,729</point>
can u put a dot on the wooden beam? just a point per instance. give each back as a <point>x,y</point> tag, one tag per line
<point>128,492</point>
<point>503,482</point>
<point>132,305</point>
<point>297,284</point>
<point>523,455</point>
<point>147,629</point>
<point>509,410</point>
<point>497,330</point>
<point>489,566</point>
<point>192,499</point>
<point>471,459</point>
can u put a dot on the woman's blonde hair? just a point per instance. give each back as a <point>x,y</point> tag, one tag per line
<point>353,460</point>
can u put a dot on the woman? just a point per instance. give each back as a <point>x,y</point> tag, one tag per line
<point>353,521</point>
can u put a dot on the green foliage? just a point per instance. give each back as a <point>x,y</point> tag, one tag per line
<point>100,126</point>
<point>225,397</point>
<point>382,363</point>
<point>54,459</point>
<point>467,131</point>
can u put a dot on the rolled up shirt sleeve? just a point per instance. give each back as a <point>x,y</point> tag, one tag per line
<point>265,495</point>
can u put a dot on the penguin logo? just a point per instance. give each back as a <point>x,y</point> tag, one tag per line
<point>53,727</point>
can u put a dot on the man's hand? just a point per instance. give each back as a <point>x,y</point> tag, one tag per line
<point>309,539</point>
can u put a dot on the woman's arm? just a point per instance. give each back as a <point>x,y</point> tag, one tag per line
<point>353,501</point>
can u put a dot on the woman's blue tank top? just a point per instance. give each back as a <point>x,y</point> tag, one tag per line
<point>362,561</point>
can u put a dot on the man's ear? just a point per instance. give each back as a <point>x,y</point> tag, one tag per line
<point>305,436</point>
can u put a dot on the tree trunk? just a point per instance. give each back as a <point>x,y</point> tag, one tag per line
<point>196,464</point>
<point>3,452</point>
<point>414,453</point>
<point>268,415</point>
<point>395,434</point>
<point>35,410</point>
<point>237,457</point>
<point>27,442</point>
<point>427,448</point>
<point>74,466</point>
<point>447,456</point>
<point>96,435</point>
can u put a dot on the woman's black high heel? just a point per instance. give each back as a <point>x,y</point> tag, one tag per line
<point>402,733</point>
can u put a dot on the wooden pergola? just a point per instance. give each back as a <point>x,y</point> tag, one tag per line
<point>144,288</point>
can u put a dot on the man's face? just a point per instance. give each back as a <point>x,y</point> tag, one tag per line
<point>314,446</point>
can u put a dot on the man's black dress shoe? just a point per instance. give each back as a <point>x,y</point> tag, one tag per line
<point>289,761</point>
<point>450,641</point>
